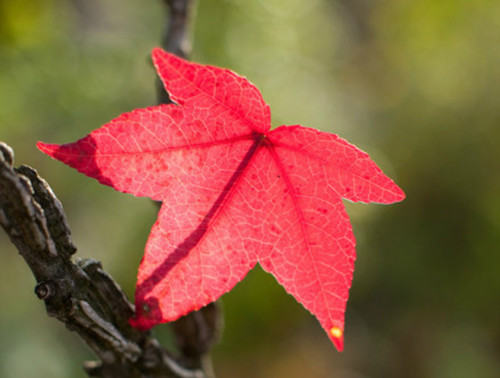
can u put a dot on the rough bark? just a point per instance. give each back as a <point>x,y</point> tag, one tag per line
<point>80,293</point>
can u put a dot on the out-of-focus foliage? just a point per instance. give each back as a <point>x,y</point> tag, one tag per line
<point>414,82</point>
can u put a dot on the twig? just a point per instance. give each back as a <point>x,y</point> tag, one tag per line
<point>176,38</point>
<point>79,294</point>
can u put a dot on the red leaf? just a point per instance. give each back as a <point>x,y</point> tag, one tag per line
<point>234,193</point>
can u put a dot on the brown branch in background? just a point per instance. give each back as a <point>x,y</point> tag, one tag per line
<point>176,38</point>
<point>196,332</point>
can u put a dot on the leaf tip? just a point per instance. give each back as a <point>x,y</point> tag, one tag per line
<point>337,336</point>
<point>47,148</point>
<point>161,57</point>
<point>157,52</point>
<point>399,194</point>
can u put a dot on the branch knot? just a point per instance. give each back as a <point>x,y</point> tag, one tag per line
<point>45,289</point>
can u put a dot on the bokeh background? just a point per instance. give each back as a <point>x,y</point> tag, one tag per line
<point>416,83</point>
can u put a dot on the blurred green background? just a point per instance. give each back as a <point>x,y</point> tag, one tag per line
<point>416,83</point>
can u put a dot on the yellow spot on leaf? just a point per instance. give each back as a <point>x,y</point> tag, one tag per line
<point>336,332</point>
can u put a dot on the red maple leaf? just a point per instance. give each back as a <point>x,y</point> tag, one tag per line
<point>234,193</point>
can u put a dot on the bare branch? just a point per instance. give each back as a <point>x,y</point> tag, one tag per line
<point>176,38</point>
<point>79,294</point>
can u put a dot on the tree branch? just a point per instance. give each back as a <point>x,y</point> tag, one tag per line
<point>79,294</point>
<point>176,38</point>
